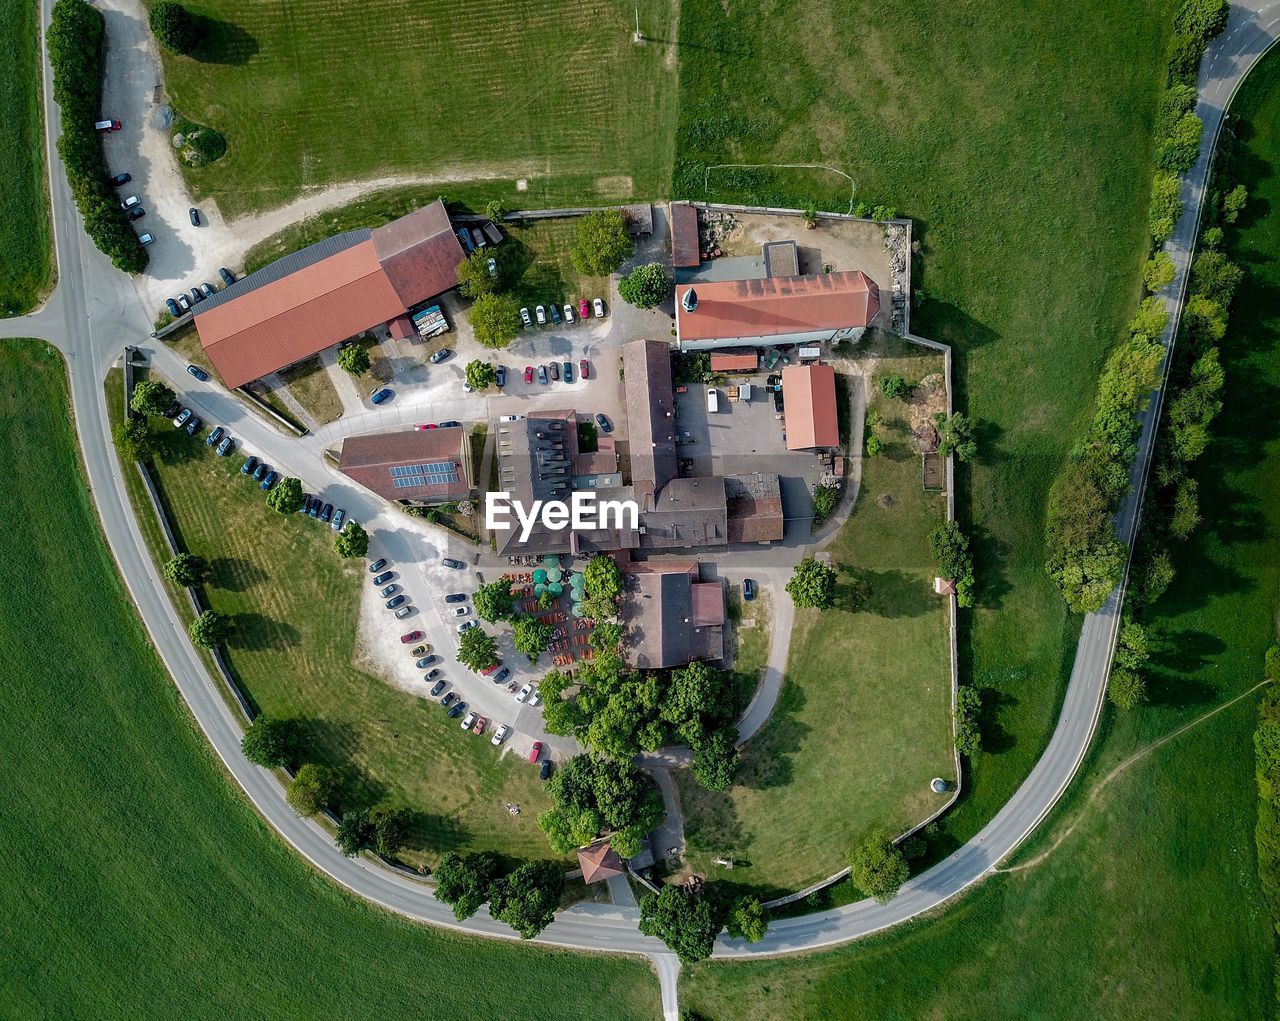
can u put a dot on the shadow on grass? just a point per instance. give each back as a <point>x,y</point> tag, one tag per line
<point>768,761</point>
<point>224,42</point>
<point>995,738</point>
<point>235,574</point>
<point>256,632</point>
<point>890,593</point>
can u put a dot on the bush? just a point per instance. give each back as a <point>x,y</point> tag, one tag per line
<point>825,501</point>
<point>1166,205</point>
<point>603,243</point>
<point>1183,59</point>
<point>874,445</point>
<point>311,789</point>
<point>950,547</point>
<point>177,29</point>
<point>1126,689</point>
<point>894,386</point>
<point>646,286</point>
<point>75,53</point>
<point>1201,19</point>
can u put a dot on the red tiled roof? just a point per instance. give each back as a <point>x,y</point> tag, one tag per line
<point>810,393</point>
<point>685,249</point>
<point>599,861</point>
<point>708,603</point>
<point>419,253</point>
<point>778,306</point>
<point>369,459</point>
<point>735,363</point>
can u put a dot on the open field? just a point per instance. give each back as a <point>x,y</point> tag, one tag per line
<point>296,605</point>
<point>1018,139</point>
<point>314,94</point>
<point>1150,904</point>
<point>135,883</point>
<point>863,722</point>
<point>26,241</point>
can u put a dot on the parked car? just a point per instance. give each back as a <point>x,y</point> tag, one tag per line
<point>584,369</point>
<point>338,517</point>
<point>524,692</point>
<point>424,426</point>
<point>438,687</point>
<point>535,751</point>
<point>461,611</point>
<point>500,734</point>
<point>748,589</point>
<point>389,591</point>
<point>500,376</point>
<point>403,612</point>
<point>451,424</point>
<point>466,625</point>
<point>313,511</point>
<point>491,668</point>
<point>377,565</point>
<point>326,513</point>
<point>440,355</point>
<point>526,319</point>
<point>568,315</point>
<point>467,721</point>
<point>381,395</point>
<point>172,410</point>
<point>107,125</point>
<point>250,463</point>
<point>528,373</point>
<point>554,312</point>
<point>194,214</point>
<point>308,501</point>
<point>399,600</point>
<point>137,213</point>
<point>383,578</point>
<point>545,772</point>
<point>207,290</point>
<point>542,374</point>
<point>554,369</point>
<point>228,277</point>
<point>510,418</point>
<point>493,267</point>
<point>457,710</point>
<point>419,650</point>
<point>145,239</point>
<point>598,307</point>
<point>272,478</point>
<point>224,448</point>
<point>120,179</point>
<point>214,436</point>
<point>130,202</point>
<point>412,636</point>
<point>433,673</point>
<point>181,418</point>
<point>172,306</point>
<point>457,565</point>
<point>501,676</point>
<point>448,699</point>
<point>540,313</point>
<point>425,662</point>
<point>605,425</point>
<point>196,295</point>
<point>198,372</point>
<point>260,472</point>
<point>194,425</point>
<point>184,303</point>
<point>584,310</point>
<point>456,597</point>
<point>568,372</point>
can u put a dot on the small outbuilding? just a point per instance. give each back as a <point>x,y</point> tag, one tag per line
<point>812,421</point>
<point>599,862</point>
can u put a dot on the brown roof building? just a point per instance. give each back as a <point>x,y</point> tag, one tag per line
<point>723,362</point>
<point>599,861</point>
<point>671,617</point>
<point>754,508</point>
<point>775,310</point>
<point>646,370</point>
<point>414,467</point>
<point>810,392</point>
<point>327,292</point>
<point>686,249</point>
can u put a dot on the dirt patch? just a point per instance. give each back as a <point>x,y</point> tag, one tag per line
<point>616,186</point>
<point>928,398</point>
<point>885,500</point>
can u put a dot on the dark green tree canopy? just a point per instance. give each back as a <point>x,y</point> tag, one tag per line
<point>355,833</point>
<point>175,27</point>
<point>211,628</point>
<point>269,742</point>
<point>878,868</point>
<point>603,243</point>
<point>352,541</point>
<point>355,359</point>
<point>646,286</point>
<point>463,881</point>
<point>390,829</point>
<point>494,601</point>
<point>286,496</point>
<point>813,584</point>
<point>684,921</point>
<point>186,569</point>
<point>133,440</point>
<point>527,899</point>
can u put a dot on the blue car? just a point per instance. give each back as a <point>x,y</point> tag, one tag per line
<point>172,306</point>
<point>215,436</point>
<point>260,472</point>
<point>198,372</point>
<point>314,510</point>
<point>250,465</point>
<point>270,480</point>
<point>379,396</point>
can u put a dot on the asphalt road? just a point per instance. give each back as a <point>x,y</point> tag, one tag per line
<point>95,311</point>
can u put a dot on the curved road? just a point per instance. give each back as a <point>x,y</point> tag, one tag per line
<point>95,311</point>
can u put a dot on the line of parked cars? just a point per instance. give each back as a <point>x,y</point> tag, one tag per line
<point>186,418</point>
<point>542,313</point>
<point>552,371</point>
<point>181,305</point>
<point>317,509</point>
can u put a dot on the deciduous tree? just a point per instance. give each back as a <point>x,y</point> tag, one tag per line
<point>269,742</point>
<point>968,732</point>
<point>390,829</point>
<point>311,789</point>
<point>603,243</point>
<point>355,833</point>
<point>133,440</point>
<point>532,637</point>
<point>151,397</point>
<point>286,496</point>
<point>186,569</point>
<point>463,881</point>
<point>495,318</point>
<point>715,763</point>
<point>473,276</point>
<point>878,868</point>
<point>211,628</point>
<point>955,436</point>
<point>646,286</point>
<point>813,584</point>
<point>748,920</point>
<point>1158,272</point>
<point>354,358</point>
<point>683,920</point>
<point>1126,688</point>
<point>494,601</point>
<point>352,541</point>
<point>477,649</point>
<point>177,29</point>
<point>481,375</point>
<point>527,898</point>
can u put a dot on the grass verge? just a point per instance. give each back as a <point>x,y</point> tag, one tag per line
<point>311,387</point>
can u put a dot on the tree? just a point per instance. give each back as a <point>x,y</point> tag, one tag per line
<point>1155,577</point>
<point>473,276</point>
<point>390,828</point>
<point>748,920</point>
<point>495,210</point>
<point>1204,320</point>
<point>1185,516</point>
<point>1182,58</point>
<point>495,319</point>
<point>1151,318</point>
<point>607,637</point>
<point>1158,273</point>
<point>311,789</point>
<point>894,386</point>
<point>955,436</point>
<point>1233,203</point>
<point>1212,238</point>
<point>494,601</point>
<point>603,243</point>
<point>877,868</point>
<point>352,541</point>
<point>546,600</point>
<point>602,577</point>
<point>355,833</point>
<point>592,795</point>
<point>813,584</point>
<point>186,570</point>
<point>1201,19</point>
<point>1166,205</point>
<point>1215,277</point>
<point>268,742</point>
<point>1271,663</point>
<point>477,649</point>
<point>715,763</point>
<point>532,637</point>
<point>177,29</point>
<point>211,628</point>
<point>132,438</point>
<point>527,899</point>
<point>682,920</point>
<point>968,731</point>
<point>1126,689</point>
<point>354,358</point>
<point>151,397</point>
<point>463,882</point>
<point>1178,149</point>
<point>874,445</point>
<point>481,375</point>
<point>286,496</point>
<point>646,286</point>
<point>1132,645</point>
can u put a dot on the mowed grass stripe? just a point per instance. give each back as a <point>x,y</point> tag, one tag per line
<point>135,883</point>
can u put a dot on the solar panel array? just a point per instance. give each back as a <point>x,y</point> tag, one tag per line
<point>437,473</point>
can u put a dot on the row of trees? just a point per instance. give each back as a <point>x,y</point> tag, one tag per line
<point>525,897</point>
<point>687,919</point>
<point>75,52</point>
<point>950,547</point>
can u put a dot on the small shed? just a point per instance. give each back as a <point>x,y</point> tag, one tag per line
<point>599,862</point>
<point>401,327</point>
<point>944,586</point>
<point>746,362</point>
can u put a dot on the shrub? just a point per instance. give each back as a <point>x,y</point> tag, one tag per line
<point>1201,19</point>
<point>1158,273</point>
<point>950,547</point>
<point>825,501</point>
<point>646,286</point>
<point>177,29</point>
<point>874,445</point>
<point>311,789</point>
<point>894,386</point>
<point>1126,689</point>
<point>1166,205</point>
<point>603,243</point>
<point>955,436</point>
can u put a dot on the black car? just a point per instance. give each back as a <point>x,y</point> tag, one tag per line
<point>748,589</point>
<point>196,296</point>
<point>215,436</point>
<point>327,513</point>
<point>777,401</point>
<point>172,409</point>
<point>137,213</point>
<point>458,709</point>
<point>249,466</point>
<point>306,503</point>
<point>194,424</point>
<point>377,566</point>
<point>501,675</point>
<point>605,425</point>
<point>457,565</point>
<point>389,591</point>
<point>501,372</point>
<point>120,179</point>
<point>544,773</point>
<point>228,277</point>
<point>207,290</point>
<point>391,604</point>
<point>314,512</point>
<point>448,699</point>
<point>450,425</point>
<point>194,213</point>
<point>260,472</point>
<point>384,577</point>
<point>433,673</point>
<point>456,597</point>
<point>555,371</point>
<point>198,372</point>
<point>438,687</point>
<point>172,306</point>
<point>426,661</point>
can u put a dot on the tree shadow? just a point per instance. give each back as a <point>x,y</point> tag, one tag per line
<point>890,593</point>
<point>990,555</point>
<point>174,446</point>
<point>441,833</point>
<point>235,574</point>
<point>767,762</point>
<point>995,738</point>
<point>256,632</point>
<point>223,42</point>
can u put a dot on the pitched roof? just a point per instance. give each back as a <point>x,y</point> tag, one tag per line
<point>725,362</point>
<point>599,861</point>
<point>325,293</point>
<point>646,368</point>
<point>755,508</point>
<point>811,418</point>
<point>383,463</point>
<point>685,247</point>
<point>777,306</point>
<point>671,618</point>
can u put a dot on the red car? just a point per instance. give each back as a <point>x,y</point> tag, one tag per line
<point>491,668</point>
<point>528,373</point>
<point>429,425</point>
<point>535,751</point>
<point>412,636</point>
<point>584,369</point>
<point>584,310</point>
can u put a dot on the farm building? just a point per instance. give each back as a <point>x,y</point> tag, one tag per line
<point>414,467</point>
<point>671,616</point>
<point>686,249</point>
<point>825,307</point>
<point>812,421</point>
<point>326,293</point>
<point>747,361</point>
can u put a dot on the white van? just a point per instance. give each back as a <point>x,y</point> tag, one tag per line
<point>713,400</point>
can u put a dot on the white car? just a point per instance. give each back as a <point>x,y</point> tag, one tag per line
<point>500,734</point>
<point>468,721</point>
<point>598,307</point>
<point>568,314</point>
<point>524,692</point>
<point>541,313</point>
<point>466,625</point>
<point>461,611</point>
<point>510,418</point>
<point>526,318</point>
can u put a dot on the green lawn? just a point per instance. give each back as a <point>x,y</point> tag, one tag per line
<point>25,239</point>
<point>1150,906</point>
<point>1017,136</point>
<point>311,387</point>
<point>863,722</point>
<point>136,883</point>
<point>311,94</point>
<point>295,605</point>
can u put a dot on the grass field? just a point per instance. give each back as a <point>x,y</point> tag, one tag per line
<point>863,722</point>
<point>311,387</point>
<point>1018,139</point>
<point>323,92</point>
<point>25,238</point>
<point>295,606</point>
<point>1150,905</point>
<point>135,883</point>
